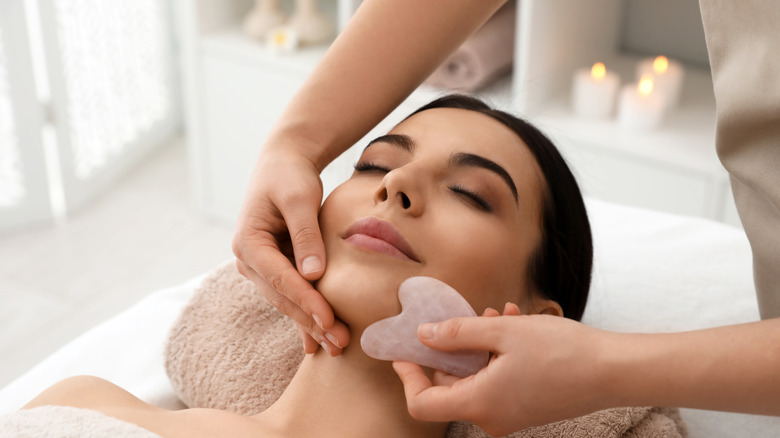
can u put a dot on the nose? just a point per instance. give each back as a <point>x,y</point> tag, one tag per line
<point>400,189</point>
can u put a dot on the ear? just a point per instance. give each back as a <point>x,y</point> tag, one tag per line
<point>544,306</point>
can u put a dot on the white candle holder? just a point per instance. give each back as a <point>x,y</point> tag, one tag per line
<point>265,16</point>
<point>667,77</point>
<point>641,106</point>
<point>311,26</point>
<point>594,91</point>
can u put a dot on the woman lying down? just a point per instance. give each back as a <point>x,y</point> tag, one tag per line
<point>465,194</point>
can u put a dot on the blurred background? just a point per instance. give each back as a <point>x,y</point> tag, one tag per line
<point>96,203</point>
<point>128,130</point>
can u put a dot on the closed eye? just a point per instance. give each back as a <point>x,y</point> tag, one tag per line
<point>473,198</point>
<point>367,167</point>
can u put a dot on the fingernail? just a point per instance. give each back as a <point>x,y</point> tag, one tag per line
<point>427,331</point>
<point>317,320</point>
<point>326,347</point>
<point>311,264</point>
<point>333,340</point>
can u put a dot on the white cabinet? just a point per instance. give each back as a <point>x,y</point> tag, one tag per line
<point>241,96</point>
<point>236,89</point>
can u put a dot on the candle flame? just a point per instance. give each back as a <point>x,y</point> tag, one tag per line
<point>660,65</point>
<point>598,71</point>
<point>646,85</point>
<point>279,38</point>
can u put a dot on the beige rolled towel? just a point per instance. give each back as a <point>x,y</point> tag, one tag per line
<point>485,56</point>
<point>231,350</point>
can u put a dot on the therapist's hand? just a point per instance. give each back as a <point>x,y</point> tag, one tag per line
<point>279,246</point>
<point>543,369</point>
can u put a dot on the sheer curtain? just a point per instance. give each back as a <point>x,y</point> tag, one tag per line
<point>99,77</point>
<point>11,178</point>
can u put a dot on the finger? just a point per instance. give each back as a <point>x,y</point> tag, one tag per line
<point>462,333</point>
<point>300,214</point>
<point>292,291</point>
<point>511,309</point>
<point>276,299</point>
<point>312,335</point>
<point>412,376</point>
<point>440,378</point>
<point>490,312</point>
<point>310,346</point>
<point>338,335</point>
<point>333,340</point>
<point>423,400</point>
<point>304,308</point>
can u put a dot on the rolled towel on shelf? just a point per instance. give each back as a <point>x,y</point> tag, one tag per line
<point>484,57</point>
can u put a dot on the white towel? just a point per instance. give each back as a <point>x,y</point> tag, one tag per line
<point>484,57</point>
<point>67,422</point>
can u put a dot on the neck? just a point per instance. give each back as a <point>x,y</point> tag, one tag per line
<point>345,396</point>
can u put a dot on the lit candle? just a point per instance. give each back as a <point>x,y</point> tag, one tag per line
<point>640,105</point>
<point>594,91</point>
<point>282,39</point>
<point>667,77</point>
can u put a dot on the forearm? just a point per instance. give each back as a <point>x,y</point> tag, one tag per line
<point>732,368</point>
<point>383,54</point>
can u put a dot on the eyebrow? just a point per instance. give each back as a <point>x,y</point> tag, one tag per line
<point>459,159</point>
<point>403,141</point>
<point>463,159</point>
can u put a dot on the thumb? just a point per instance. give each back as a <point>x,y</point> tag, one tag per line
<point>306,239</point>
<point>470,333</point>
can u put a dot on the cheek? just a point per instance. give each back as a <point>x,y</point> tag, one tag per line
<point>334,218</point>
<point>339,207</point>
<point>488,268</point>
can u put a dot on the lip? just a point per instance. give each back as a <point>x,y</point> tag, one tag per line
<point>379,236</point>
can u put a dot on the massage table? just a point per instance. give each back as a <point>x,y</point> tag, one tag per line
<point>653,272</point>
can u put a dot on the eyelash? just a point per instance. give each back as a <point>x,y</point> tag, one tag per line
<point>367,166</point>
<point>475,198</point>
<point>478,200</point>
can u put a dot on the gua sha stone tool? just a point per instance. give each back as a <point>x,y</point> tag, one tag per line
<point>423,299</point>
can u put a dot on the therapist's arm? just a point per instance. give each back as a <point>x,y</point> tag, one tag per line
<point>547,369</point>
<point>387,49</point>
<point>730,368</point>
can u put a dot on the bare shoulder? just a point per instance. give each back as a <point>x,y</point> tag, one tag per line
<point>87,392</point>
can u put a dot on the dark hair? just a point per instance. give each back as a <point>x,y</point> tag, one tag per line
<point>560,267</point>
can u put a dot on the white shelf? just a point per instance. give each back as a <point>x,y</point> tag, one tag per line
<point>233,44</point>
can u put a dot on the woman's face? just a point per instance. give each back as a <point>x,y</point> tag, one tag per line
<point>449,193</point>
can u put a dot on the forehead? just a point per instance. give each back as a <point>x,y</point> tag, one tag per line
<point>464,131</point>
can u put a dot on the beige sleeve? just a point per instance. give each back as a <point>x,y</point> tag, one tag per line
<point>743,41</point>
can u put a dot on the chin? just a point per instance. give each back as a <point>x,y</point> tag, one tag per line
<point>361,295</point>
